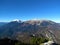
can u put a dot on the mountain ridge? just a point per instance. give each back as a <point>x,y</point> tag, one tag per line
<point>15,29</point>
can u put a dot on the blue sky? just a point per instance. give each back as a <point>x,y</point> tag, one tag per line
<point>29,9</point>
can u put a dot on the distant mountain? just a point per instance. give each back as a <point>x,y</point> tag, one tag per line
<point>22,30</point>
<point>2,23</point>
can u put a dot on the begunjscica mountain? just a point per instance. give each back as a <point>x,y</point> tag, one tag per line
<point>22,30</point>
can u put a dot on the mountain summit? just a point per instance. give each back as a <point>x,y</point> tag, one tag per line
<point>16,20</point>
<point>38,22</point>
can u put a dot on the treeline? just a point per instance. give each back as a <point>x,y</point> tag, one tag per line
<point>33,41</point>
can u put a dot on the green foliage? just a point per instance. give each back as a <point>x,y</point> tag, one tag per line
<point>38,41</point>
<point>34,41</point>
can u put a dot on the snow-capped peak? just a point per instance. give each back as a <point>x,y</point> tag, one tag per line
<point>17,20</point>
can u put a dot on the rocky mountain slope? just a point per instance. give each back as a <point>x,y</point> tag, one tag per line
<point>22,30</point>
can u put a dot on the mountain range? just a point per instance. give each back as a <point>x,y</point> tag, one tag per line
<point>23,30</point>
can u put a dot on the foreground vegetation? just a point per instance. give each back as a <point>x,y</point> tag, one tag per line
<point>33,41</point>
